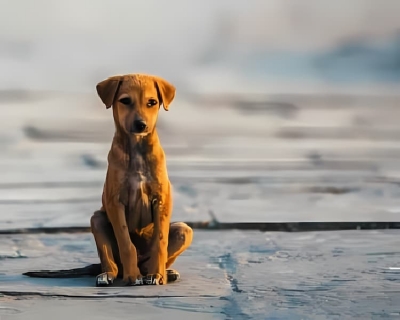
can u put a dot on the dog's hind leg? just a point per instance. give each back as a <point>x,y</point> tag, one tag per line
<point>107,248</point>
<point>179,239</point>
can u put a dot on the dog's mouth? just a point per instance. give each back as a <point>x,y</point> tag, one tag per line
<point>142,134</point>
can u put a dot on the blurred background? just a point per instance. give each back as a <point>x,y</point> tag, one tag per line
<point>286,110</point>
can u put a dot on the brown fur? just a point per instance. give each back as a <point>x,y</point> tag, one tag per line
<point>132,229</point>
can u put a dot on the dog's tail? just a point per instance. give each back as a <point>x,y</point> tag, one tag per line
<point>90,270</point>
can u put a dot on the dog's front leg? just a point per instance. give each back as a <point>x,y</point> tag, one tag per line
<point>161,210</point>
<point>127,251</point>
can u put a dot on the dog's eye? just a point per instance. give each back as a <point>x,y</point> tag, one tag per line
<point>127,101</point>
<point>151,103</point>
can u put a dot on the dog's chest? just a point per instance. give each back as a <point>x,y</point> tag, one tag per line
<point>135,196</point>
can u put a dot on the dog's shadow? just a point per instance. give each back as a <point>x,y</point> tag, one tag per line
<point>58,282</point>
<point>86,281</point>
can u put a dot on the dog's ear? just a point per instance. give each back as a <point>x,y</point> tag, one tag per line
<point>107,90</point>
<point>166,91</point>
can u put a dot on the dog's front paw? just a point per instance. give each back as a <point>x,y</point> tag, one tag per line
<point>153,279</point>
<point>135,280</point>
<point>104,280</point>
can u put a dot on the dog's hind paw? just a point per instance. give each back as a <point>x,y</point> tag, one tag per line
<point>173,275</point>
<point>104,280</point>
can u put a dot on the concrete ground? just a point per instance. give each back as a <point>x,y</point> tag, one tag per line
<point>225,275</point>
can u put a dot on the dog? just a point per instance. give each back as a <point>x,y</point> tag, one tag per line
<point>134,237</point>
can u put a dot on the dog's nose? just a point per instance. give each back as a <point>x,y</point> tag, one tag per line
<point>139,126</point>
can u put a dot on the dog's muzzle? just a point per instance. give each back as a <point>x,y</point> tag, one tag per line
<point>139,126</point>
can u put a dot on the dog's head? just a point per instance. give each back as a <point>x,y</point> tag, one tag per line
<point>136,99</point>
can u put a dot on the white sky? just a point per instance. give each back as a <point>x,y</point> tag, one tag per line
<point>274,22</point>
<point>72,43</point>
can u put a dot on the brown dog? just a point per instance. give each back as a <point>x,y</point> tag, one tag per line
<point>132,230</point>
